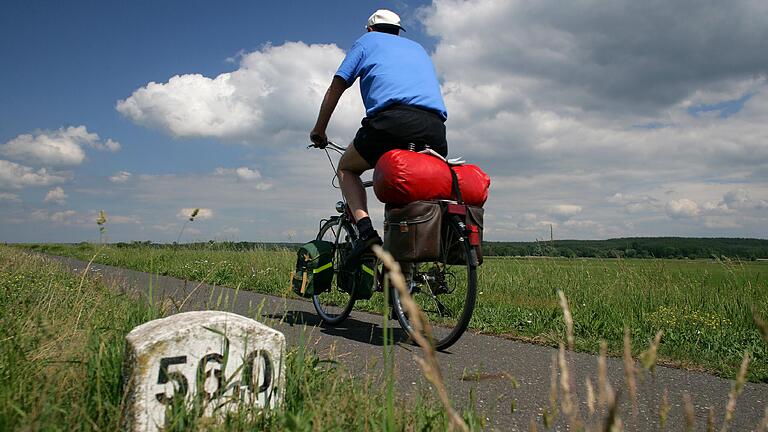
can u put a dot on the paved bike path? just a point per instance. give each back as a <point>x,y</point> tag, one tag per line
<point>357,343</point>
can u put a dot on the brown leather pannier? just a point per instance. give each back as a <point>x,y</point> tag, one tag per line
<point>412,231</point>
<point>473,219</point>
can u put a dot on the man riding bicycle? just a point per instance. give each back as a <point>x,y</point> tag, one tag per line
<point>403,106</point>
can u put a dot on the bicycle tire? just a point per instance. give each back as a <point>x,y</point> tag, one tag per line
<point>445,331</point>
<point>335,305</point>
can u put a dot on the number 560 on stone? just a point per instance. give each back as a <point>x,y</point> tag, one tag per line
<point>217,359</point>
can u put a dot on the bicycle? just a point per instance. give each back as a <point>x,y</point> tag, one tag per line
<point>445,292</point>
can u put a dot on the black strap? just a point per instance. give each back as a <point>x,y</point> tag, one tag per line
<point>455,185</point>
<point>454,180</point>
<point>417,147</point>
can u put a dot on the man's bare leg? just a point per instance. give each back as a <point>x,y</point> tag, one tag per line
<point>351,166</point>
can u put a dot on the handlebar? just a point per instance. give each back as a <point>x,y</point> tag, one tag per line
<point>340,149</point>
<point>331,144</point>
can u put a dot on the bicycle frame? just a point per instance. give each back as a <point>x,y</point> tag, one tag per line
<point>346,214</point>
<point>367,184</point>
<point>433,279</point>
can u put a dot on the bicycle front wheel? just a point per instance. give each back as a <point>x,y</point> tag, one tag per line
<point>445,292</point>
<point>335,305</point>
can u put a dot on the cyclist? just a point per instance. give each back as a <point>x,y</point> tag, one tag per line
<point>403,105</point>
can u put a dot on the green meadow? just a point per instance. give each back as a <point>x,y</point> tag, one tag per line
<point>62,341</point>
<point>704,307</point>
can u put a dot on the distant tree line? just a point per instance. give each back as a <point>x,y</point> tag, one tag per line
<point>632,247</point>
<point>635,247</point>
<point>212,245</point>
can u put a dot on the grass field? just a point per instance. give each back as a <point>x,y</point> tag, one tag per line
<point>61,353</point>
<point>705,308</point>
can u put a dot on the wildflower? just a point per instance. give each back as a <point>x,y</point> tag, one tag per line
<point>102,219</point>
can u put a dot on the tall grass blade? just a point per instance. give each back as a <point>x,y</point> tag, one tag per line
<point>568,318</point>
<point>690,416</point>
<point>422,332</point>
<point>736,389</point>
<point>630,373</point>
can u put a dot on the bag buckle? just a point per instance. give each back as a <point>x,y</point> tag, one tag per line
<point>403,227</point>
<point>457,209</point>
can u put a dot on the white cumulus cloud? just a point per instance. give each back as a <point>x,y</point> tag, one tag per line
<point>60,217</point>
<point>16,176</point>
<point>120,177</point>
<point>109,145</point>
<point>273,96</point>
<point>682,208</point>
<point>564,210</point>
<point>55,148</point>
<point>742,199</point>
<point>5,196</point>
<point>634,204</point>
<point>56,195</point>
<point>245,175</point>
<point>241,173</point>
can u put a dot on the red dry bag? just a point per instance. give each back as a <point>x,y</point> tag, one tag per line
<point>403,176</point>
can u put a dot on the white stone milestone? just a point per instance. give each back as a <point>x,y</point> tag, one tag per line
<point>215,359</point>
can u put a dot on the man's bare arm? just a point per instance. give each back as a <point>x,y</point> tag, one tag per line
<point>331,99</point>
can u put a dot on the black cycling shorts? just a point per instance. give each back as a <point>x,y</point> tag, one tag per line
<point>397,127</point>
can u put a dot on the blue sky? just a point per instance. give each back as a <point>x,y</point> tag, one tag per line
<point>547,98</point>
<point>73,60</point>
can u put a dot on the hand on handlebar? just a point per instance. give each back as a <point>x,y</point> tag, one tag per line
<point>319,139</point>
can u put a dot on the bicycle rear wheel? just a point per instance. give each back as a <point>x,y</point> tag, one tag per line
<point>335,305</point>
<point>445,292</point>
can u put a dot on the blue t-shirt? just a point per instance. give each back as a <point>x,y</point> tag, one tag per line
<point>392,70</point>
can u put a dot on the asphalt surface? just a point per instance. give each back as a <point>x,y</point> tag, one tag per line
<point>477,364</point>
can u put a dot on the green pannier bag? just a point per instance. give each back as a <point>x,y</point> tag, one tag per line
<point>314,268</point>
<point>364,285</point>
